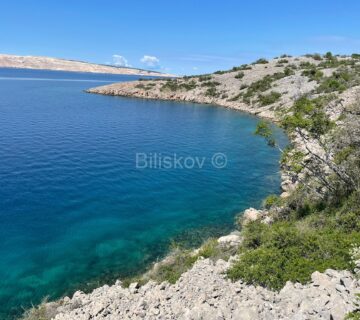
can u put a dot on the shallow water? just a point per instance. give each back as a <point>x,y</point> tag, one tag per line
<point>76,211</point>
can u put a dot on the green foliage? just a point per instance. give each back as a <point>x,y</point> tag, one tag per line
<point>307,65</point>
<point>308,114</point>
<point>283,61</point>
<point>174,85</point>
<point>289,71</point>
<point>261,61</point>
<point>274,254</point>
<point>317,57</point>
<point>221,72</point>
<point>355,315</point>
<point>328,55</point>
<point>212,92</point>
<point>355,56</point>
<point>271,200</point>
<point>270,98</point>
<point>242,67</point>
<point>313,74</point>
<point>171,272</point>
<point>292,159</point>
<point>205,78</point>
<point>343,154</point>
<point>263,129</point>
<point>240,75</point>
<point>340,80</point>
<point>147,86</point>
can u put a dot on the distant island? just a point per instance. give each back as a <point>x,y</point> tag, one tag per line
<point>48,63</point>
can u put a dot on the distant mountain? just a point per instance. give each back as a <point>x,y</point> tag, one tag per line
<point>48,63</point>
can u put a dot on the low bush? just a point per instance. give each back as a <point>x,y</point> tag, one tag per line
<point>313,74</point>
<point>174,85</point>
<point>287,251</point>
<point>205,78</point>
<point>261,61</point>
<point>242,67</point>
<point>340,80</point>
<point>271,200</point>
<point>240,75</point>
<point>212,92</point>
<point>270,98</point>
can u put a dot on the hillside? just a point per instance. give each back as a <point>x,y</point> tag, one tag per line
<point>260,88</point>
<point>297,257</point>
<point>47,63</point>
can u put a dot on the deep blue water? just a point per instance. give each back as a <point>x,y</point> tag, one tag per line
<point>75,210</point>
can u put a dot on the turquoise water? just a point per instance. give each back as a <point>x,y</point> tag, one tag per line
<point>76,212</point>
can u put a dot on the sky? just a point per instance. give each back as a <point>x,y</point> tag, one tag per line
<point>179,37</point>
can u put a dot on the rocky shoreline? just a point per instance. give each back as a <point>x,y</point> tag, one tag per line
<point>204,291</point>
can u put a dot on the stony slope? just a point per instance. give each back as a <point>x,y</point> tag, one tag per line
<point>47,63</point>
<point>204,293</point>
<point>244,88</point>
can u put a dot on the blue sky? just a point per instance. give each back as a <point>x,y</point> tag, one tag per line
<point>182,37</point>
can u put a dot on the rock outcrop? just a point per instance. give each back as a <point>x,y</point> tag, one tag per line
<point>203,292</point>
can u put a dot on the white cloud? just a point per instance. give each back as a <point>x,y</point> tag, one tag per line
<point>150,62</point>
<point>120,61</point>
<point>195,68</point>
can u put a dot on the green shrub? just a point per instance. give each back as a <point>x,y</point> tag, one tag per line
<point>242,67</point>
<point>271,200</point>
<point>355,315</point>
<point>308,114</point>
<point>307,65</point>
<point>240,75</point>
<point>293,159</point>
<point>317,57</point>
<point>261,61</point>
<point>270,98</point>
<point>212,92</point>
<point>339,81</point>
<point>313,74</point>
<point>282,252</point>
<point>205,78</point>
<point>289,71</point>
<point>174,85</point>
<point>171,272</point>
<point>146,86</point>
<point>329,55</point>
